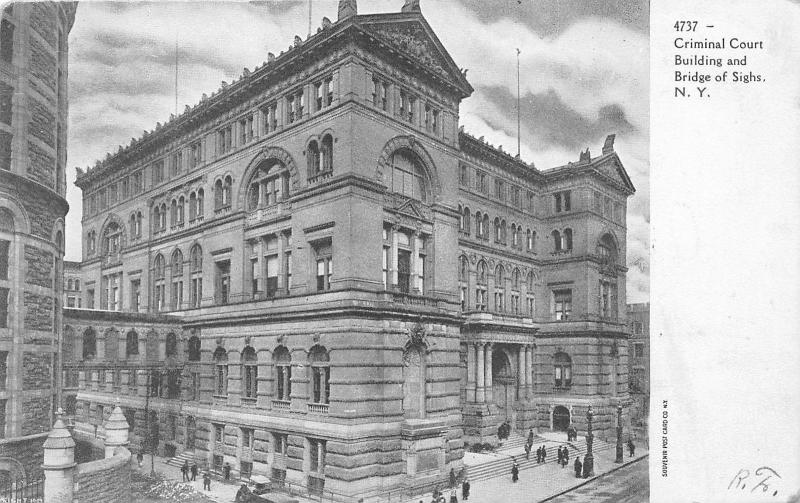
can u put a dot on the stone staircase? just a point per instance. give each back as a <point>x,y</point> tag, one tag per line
<point>514,448</point>
<point>177,461</point>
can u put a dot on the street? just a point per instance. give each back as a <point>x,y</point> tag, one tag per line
<point>629,484</point>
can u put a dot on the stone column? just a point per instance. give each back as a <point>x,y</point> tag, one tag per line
<point>413,288</point>
<point>59,464</point>
<point>488,373</point>
<point>529,370</point>
<point>471,357</point>
<point>281,265</point>
<point>393,258</point>
<point>116,431</point>
<point>480,390</point>
<point>521,379</point>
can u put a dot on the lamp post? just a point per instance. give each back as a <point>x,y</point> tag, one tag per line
<point>588,460</point>
<point>619,434</point>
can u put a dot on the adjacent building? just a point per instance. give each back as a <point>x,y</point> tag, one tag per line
<point>72,285</point>
<point>317,275</point>
<point>33,133</point>
<point>639,363</point>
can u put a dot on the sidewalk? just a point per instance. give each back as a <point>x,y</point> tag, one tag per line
<point>538,483</point>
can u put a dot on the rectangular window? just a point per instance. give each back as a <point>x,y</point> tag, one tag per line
<point>637,327</point>
<point>387,251</point>
<point>177,163</point>
<point>328,91</point>
<point>4,307</point>
<point>223,281</point>
<point>288,270</point>
<point>136,295</point>
<point>6,41</point>
<point>5,245</point>
<point>195,154</point>
<point>563,304</point>
<point>90,298</point>
<point>499,189</point>
<point>317,455</point>
<point>324,265</point>
<point>247,438</point>
<point>562,201</point>
<point>638,350</point>
<point>197,291</point>
<point>224,139</point>
<point>319,96</point>
<point>272,275</point>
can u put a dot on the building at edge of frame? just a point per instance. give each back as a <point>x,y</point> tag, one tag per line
<point>317,275</point>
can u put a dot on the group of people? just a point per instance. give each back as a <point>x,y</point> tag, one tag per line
<point>572,433</point>
<point>439,497</point>
<point>563,456</point>
<point>189,473</point>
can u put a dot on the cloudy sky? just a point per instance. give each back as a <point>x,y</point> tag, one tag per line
<point>584,68</point>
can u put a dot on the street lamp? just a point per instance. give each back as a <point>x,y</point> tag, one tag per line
<point>619,434</point>
<point>588,460</point>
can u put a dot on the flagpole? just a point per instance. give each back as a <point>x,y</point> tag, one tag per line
<point>176,73</point>
<point>518,110</point>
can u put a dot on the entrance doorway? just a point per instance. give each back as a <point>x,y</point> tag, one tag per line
<point>560,418</point>
<point>190,430</point>
<point>503,385</point>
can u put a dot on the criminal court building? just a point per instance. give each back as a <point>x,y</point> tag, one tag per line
<point>315,274</point>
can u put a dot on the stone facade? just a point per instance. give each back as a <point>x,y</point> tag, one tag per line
<point>639,363</point>
<point>469,289</point>
<point>33,127</point>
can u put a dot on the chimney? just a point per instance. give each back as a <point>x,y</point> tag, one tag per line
<point>347,8</point>
<point>411,6</point>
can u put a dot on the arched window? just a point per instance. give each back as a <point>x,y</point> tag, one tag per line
<point>159,287</point>
<point>192,206</point>
<point>194,349</point>
<point>567,240</point>
<point>467,220</point>
<point>313,158</point>
<point>200,196</point>
<point>530,294</point>
<point>171,345</point>
<point>485,227</point>
<point>111,347</point>
<point>131,344</point>
<point>515,279</point>
<point>173,213</point>
<point>156,218</point>
<point>112,237</point>
<point>181,207</point>
<point>282,360</point>
<point>503,234</point>
<point>196,271</point>
<point>499,288</point>
<point>77,284</point>
<point>228,189</point>
<point>327,153</point>
<point>414,382</point>
<point>319,360</point>
<point>463,279</point>
<point>220,372</point>
<point>563,370</point>
<point>218,194</point>
<point>607,250</point>
<point>556,241</point>
<point>133,226</point>
<point>250,372</point>
<point>514,236</point>
<point>269,185</point>
<point>497,230</point>
<point>69,284</point>
<point>481,287</point>
<point>162,222</point>
<point>408,177</point>
<point>89,344</point>
<point>176,269</point>
<point>478,225</point>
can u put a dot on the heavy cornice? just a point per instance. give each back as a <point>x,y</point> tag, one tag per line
<point>355,29</point>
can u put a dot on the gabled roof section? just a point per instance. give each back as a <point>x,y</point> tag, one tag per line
<point>410,35</point>
<point>607,166</point>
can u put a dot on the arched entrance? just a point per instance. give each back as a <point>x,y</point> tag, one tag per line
<point>503,384</point>
<point>190,433</point>
<point>561,418</point>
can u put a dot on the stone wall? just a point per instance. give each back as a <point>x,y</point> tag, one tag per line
<point>36,414</point>
<point>42,64</point>
<point>6,96</point>
<point>38,370</point>
<point>41,166</point>
<point>104,480</point>
<point>26,450</point>
<point>38,313</point>
<point>5,150</point>
<point>39,269</point>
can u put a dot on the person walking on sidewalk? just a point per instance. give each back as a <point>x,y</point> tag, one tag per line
<point>514,471</point>
<point>565,456</point>
<point>578,467</point>
<point>452,477</point>
<point>465,490</point>
<point>226,471</point>
<point>560,454</point>
<point>631,448</point>
<point>527,451</point>
<point>453,497</point>
<point>530,436</point>
<point>185,471</point>
<point>194,471</point>
<point>544,454</point>
<point>206,481</point>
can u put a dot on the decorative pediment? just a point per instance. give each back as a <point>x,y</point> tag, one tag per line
<point>416,40</point>
<point>613,169</point>
<point>411,209</point>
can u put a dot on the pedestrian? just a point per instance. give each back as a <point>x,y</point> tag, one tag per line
<point>206,481</point>
<point>560,454</point>
<point>544,454</point>
<point>527,451</point>
<point>514,472</point>
<point>539,454</point>
<point>194,471</point>
<point>453,497</point>
<point>578,467</point>
<point>242,494</point>
<point>226,471</point>
<point>530,436</point>
<point>631,448</point>
<point>139,459</point>
<point>465,490</point>
<point>185,471</point>
<point>566,456</point>
<point>452,477</point>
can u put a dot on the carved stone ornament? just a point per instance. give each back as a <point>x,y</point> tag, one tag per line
<point>219,341</point>
<point>247,340</point>
<point>417,336</point>
<point>316,338</point>
<point>281,339</point>
<point>473,258</point>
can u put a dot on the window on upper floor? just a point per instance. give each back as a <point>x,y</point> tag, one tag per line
<point>638,350</point>
<point>323,253</point>
<point>481,183</point>
<point>463,175</point>
<point>562,201</point>
<point>194,349</point>
<point>638,328</point>
<point>176,163</point>
<point>246,130</point>
<point>6,41</point>
<point>223,190</point>
<point>220,372</point>
<point>481,286</point>
<point>499,189</point>
<point>223,281</point>
<point>4,292</point>
<point>268,186</point>
<point>5,246</point>
<point>158,173</point>
<point>250,372</point>
<point>562,304</point>
<point>282,363</point>
<point>195,154</point>
<point>225,139</point>
<point>319,360</point>
<point>562,364</point>
<point>408,177</point>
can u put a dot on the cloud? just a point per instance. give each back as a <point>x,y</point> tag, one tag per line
<point>584,74</point>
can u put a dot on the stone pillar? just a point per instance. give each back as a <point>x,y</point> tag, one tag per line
<point>393,258</point>
<point>480,390</point>
<point>116,431</point>
<point>59,464</point>
<point>262,273</point>
<point>529,370</point>
<point>471,357</point>
<point>521,379</point>
<point>488,373</point>
<point>413,288</point>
